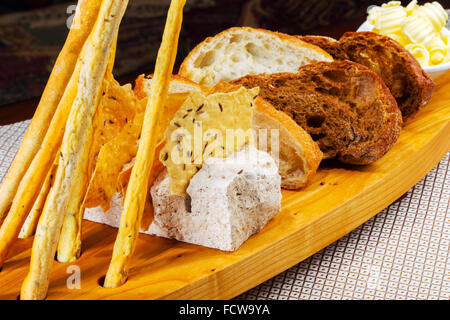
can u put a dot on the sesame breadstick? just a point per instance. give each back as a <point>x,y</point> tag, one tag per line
<point>29,227</point>
<point>137,189</point>
<point>69,245</point>
<point>84,19</point>
<point>71,175</point>
<point>34,177</point>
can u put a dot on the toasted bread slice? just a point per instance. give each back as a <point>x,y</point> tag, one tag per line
<point>298,155</point>
<point>237,52</point>
<point>409,84</point>
<point>345,107</point>
<point>330,45</point>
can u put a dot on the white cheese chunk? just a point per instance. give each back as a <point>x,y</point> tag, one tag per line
<point>228,201</point>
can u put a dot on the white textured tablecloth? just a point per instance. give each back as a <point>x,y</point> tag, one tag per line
<point>401,253</point>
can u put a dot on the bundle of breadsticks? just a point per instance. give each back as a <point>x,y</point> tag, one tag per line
<point>44,190</point>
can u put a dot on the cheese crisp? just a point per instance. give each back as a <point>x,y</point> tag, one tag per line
<point>206,126</point>
<point>116,151</point>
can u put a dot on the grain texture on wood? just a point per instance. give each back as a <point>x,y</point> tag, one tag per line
<point>340,198</point>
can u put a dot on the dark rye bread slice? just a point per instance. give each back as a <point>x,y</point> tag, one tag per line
<point>330,45</point>
<point>344,106</point>
<point>409,84</point>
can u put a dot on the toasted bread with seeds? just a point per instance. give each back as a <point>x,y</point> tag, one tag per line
<point>409,84</point>
<point>346,108</point>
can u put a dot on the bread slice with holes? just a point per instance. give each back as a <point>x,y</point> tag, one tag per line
<point>409,84</point>
<point>297,155</point>
<point>345,107</point>
<point>237,52</point>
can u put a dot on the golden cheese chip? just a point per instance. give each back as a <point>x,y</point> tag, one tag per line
<point>124,175</point>
<point>206,126</point>
<point>109,175</point>
<point>116,125</point>
<point>173,103</point>
<point>117,108</point>
<point>111,158</point>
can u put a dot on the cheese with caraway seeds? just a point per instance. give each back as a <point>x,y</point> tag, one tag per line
<point>215,125</point>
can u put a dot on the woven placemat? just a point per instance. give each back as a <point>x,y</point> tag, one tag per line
<point>401,253</point>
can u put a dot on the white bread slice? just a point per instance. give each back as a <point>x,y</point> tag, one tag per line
<point>237,52</point>
<point>230,200</point>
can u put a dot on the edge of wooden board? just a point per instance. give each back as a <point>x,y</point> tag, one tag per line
<point>288,255</point>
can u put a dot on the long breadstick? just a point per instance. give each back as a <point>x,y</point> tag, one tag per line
<point>84,19</point>
<point>34,177</point>
<point>137,189</point>
<point>73,163</point>
<point>69,244</point>
<point>29,227</point>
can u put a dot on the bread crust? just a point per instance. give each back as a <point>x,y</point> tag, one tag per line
<point>407,81</point>
<point>330,45</point>
<point>312,156</point>
<point>184,71</point>
<point>360,121</point>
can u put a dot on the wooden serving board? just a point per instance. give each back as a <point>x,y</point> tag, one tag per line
<point>340,198</point>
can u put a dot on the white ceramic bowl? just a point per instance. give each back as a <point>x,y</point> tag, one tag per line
<point>433,71</point>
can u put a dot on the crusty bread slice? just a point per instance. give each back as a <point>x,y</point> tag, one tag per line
<point>330,45</point>
<point>237,52</point>
<point>345,107</point>
<point>400,71</point>
<point>298,155</point>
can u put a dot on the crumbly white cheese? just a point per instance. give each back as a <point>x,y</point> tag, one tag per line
<point>228,201</point>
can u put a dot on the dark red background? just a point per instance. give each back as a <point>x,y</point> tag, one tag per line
<point>24,69</point>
